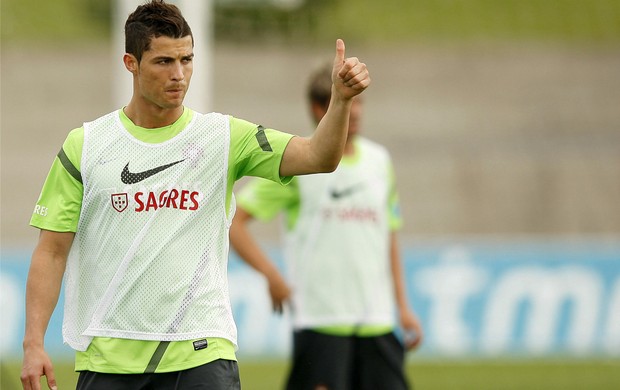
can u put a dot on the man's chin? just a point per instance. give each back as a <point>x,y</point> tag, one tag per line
<point>172,104</point>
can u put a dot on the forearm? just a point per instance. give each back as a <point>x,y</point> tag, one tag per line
<point>327,142</point>
<point>253,255</point>
<point>44,282</point>
<point>409,322</point>
<point>248,248</point>
<point>321,152</point>
<point>397,275</point>
<point>42,291</point>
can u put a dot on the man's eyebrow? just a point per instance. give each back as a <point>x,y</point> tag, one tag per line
<point>185,57</point>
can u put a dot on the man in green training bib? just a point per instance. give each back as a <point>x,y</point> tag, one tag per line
<point>134,215</point>
<point>344,276</point>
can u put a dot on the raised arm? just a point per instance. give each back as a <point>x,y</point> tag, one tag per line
<point>42,290</point>
<point>323,150</point>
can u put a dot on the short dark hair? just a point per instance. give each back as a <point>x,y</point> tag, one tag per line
<point>152,20</point>
<point>320,85</point>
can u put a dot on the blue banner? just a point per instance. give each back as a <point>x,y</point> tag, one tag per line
<point>475,297</point>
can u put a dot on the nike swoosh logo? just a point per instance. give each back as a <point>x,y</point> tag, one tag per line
<point>337,194</point>
<point>133,178</point>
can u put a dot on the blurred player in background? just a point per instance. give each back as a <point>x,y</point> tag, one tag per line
<point>135,214</point>
<point>344,270</point>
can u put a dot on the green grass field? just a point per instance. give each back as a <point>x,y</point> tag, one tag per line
<point>425,375</point>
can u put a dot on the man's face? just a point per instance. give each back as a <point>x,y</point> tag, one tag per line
<point>164,72</point>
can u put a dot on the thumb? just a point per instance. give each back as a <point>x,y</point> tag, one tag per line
<point>339,59</point>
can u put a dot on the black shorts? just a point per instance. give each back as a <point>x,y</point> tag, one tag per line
<point>216,375</point>
<point>322,361</point>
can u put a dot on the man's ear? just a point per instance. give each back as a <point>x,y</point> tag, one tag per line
<point>131,63</point>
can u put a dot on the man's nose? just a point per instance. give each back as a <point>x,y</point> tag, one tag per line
<point>177,72</point>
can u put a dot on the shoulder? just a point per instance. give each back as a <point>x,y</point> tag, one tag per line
<point>240,129</point>
<point>73,145</point>
<point>237,124</point>
<point>76,134</point>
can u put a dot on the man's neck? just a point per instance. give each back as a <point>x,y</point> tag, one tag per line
<point>152,118</point>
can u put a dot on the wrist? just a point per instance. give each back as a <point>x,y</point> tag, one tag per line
<point>32,344</point>
<point>336,97</point>
<point>271,273</point>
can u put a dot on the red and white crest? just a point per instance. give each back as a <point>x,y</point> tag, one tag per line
<point>120,202</point>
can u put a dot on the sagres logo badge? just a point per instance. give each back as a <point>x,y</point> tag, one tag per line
<point>120,202</point>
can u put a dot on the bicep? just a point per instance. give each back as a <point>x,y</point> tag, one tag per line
<point>55,244</point>
<point>295,158</point>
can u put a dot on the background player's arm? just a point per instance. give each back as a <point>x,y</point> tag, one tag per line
<point>248,249</point>
<point>322,151</point>
<point>47,267</point>
<point>408,320</point>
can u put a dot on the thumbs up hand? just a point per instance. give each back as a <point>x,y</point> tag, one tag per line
<point>349,76</point>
